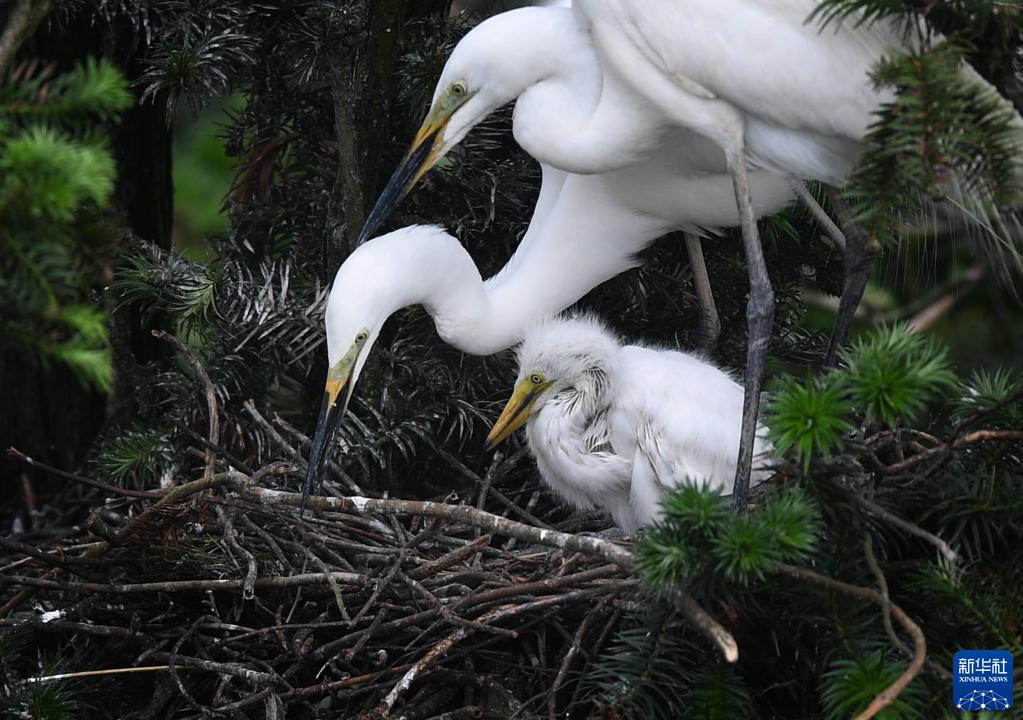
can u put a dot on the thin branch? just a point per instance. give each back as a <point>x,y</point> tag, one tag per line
<point>831,229</point>
<point>211,398</point>
<point>905,525</point>
<point>202,585</point>
<point>465,514</point>
<point>886,614</point>
<point>99,484</point>
<point>252,571</point>
<point>22,20</point>
<point>888,696</point>
<point>591,546</point>
<point>943,451</point>
<point>94,673</point>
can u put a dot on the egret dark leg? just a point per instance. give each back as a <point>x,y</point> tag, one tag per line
<point>759,319</point>
<point>830,228</point>
<point>710,323</point>
<point>860,252</point>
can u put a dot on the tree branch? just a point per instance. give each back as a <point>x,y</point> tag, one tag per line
<point>591,546</point>
<point>888,696</point>
<point>22,20</point>
<point>211,398</point>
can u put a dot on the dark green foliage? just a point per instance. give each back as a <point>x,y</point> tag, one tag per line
<point>888,377</point>
<point>987,389</point>
<point>850,686</point>
<point>946,140</point>
<point>39,701</point>
<point>135,457</point>
<point>968,495</point>
<point>652,671</point>
<point>33,700</point>
<point>56,176</point>
<point>645,672</point>
<point>718,694</point>
<point>809,418</point>
<point>92,90</point>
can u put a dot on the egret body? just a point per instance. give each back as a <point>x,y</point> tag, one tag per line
<point>615,426</point>
<point>697,114</point>
<point>579,113</point>
<point>423,265</point>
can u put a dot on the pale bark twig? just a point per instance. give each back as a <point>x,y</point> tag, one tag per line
<point>889,694</point>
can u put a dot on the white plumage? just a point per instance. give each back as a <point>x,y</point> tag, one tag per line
<point>752,72</point>
<point>576,120</point>
<point>613,426</point>
<point>610,108</point>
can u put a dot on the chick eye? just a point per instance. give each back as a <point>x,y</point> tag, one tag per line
<point>459,89</point>
<point>536,379</point>
<point>361,337</point>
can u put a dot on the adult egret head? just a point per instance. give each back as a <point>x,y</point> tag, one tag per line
<point>492,65</point>
<point>417,264</point>
<point>424,265</point>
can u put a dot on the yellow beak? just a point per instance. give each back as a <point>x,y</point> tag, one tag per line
<point>516,412</point>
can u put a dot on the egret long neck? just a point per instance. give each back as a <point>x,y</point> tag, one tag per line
<point>585,239</point>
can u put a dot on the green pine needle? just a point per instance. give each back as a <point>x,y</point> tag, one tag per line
<point>851,684</point>
<point>698,509</point>
<point>718,694</point>
<point>809,418</point>
<point>793,521</point>
<point>136,457</point>
<point>895,373</point>
<point>664,558</point>
<point>50,175</point>
<point>745,550</point>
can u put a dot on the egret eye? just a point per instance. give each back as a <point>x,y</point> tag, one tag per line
<point>536,379</point>
<point>459,89</point>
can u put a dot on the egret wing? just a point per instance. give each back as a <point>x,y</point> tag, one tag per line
<point>759,55</point>
<point>678,415</point>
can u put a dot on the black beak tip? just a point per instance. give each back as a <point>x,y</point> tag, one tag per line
<point>306,491</point>
<point>399,185</point>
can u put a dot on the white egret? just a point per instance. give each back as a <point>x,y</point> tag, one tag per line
<point>573,115</point>
<point>614,426</point>
<point>423,265</point>
<point>728,91</point>
<point>773,91</point>
<point>543,59</point>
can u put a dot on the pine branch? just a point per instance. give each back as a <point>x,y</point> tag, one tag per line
<point>23,18</point>
<point>887,697</point>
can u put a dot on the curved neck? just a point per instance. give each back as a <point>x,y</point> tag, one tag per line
<point>579,239</point>
<point>585,239</point>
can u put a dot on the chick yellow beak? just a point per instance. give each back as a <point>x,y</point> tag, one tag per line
<point>516,412</point>
<point>424,152</point>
